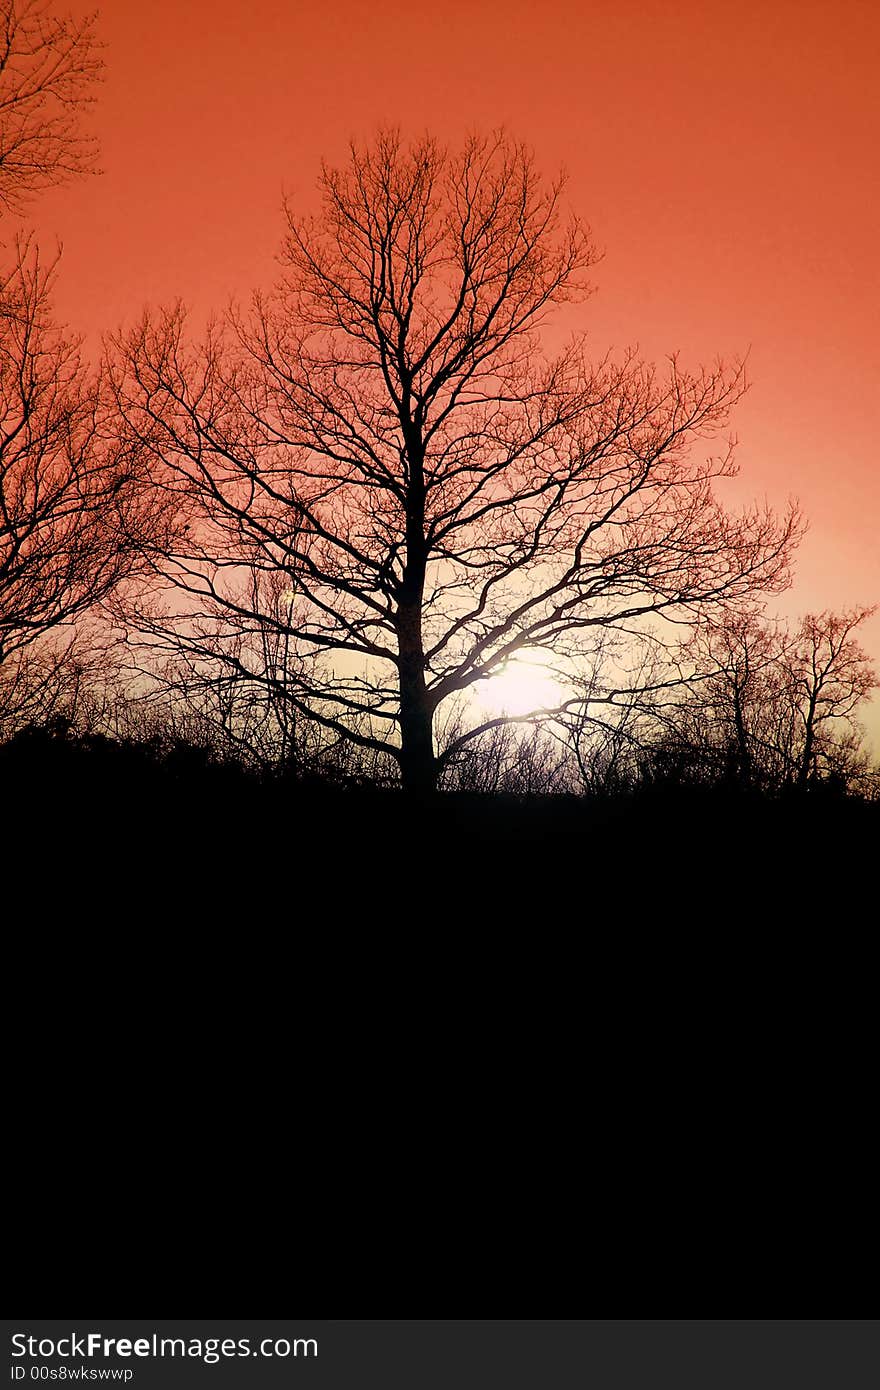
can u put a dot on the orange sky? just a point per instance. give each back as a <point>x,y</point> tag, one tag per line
<point>725,157</point>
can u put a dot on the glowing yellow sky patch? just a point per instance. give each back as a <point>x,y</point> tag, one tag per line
<point>527,683</point>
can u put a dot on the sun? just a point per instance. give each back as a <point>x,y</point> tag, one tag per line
<point>526,684</point>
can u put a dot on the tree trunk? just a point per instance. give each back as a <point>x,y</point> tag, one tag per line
<point>742,738</point>
<point>806,760</point>
<point>418,764</point>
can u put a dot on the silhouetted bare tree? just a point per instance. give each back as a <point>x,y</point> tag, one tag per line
<point>829,675</point>
<point>64,490</point>
<point>75,516</point>
<point>420,492</point>
<point>49,65</point>
<point>778,701</point>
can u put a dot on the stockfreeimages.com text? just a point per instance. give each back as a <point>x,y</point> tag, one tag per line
<point>209,1349</point>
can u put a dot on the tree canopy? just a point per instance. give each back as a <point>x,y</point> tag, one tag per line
<point>49,66</point>
<point>379,463</point>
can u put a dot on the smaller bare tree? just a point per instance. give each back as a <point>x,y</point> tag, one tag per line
<point>780,703</point>
<point>829,675</point>
<point>76,518</point>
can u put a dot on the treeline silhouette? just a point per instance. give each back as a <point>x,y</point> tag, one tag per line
<point>667,799</point>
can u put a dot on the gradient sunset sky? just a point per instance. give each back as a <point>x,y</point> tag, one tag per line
<point>725,157</point>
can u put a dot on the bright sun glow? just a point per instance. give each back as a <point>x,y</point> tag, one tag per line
<point>526,684</point>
